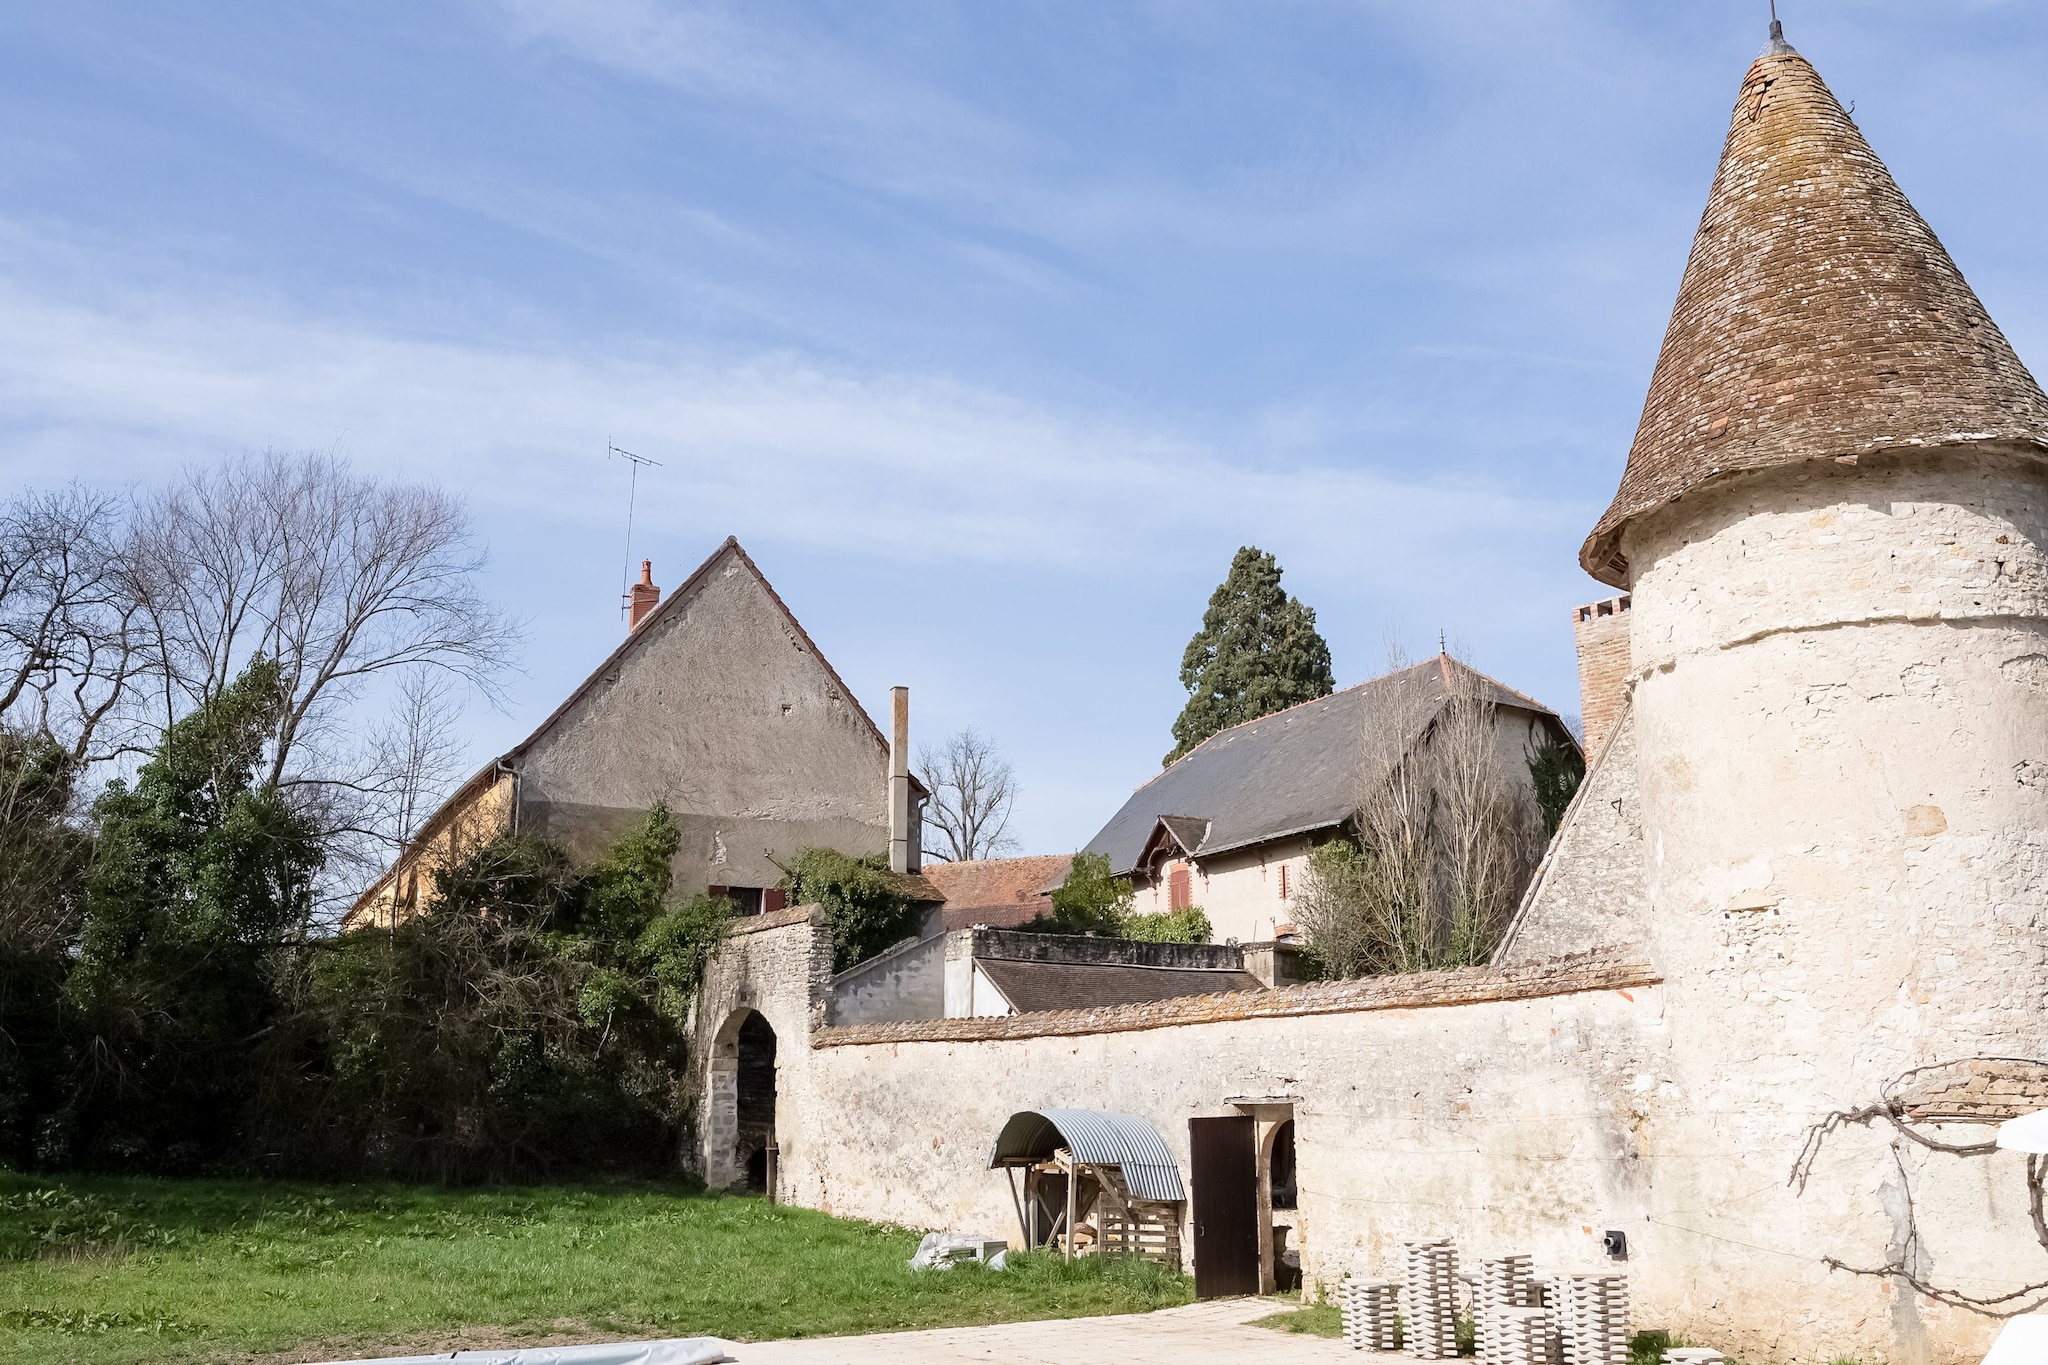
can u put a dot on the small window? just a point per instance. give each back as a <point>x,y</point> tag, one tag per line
<point>1178,896</point>
<point>1283,881</point>
<point>746,900</point>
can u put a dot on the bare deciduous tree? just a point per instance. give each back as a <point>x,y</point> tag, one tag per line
<point>72,638</point>
<point>338,577</point>
<point>972,790</point>
<point>1485,835</point>
<point>418,756</point>
<point>1444,842</point>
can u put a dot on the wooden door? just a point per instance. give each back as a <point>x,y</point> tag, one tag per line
<point>1224,1156</point>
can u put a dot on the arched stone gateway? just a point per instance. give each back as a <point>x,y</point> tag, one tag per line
<point>762,996</point>
<point>739,1112</point>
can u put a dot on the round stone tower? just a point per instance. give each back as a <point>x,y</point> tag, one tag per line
<point>1834,527</point>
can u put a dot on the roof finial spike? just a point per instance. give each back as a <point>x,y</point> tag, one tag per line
<point>1778,43</point>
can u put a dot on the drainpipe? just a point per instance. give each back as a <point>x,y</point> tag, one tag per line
<point>505,769</point>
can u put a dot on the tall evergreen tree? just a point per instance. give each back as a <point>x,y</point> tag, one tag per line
<point>1256,653</point>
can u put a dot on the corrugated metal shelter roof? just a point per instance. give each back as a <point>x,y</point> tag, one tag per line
<point>1096,1138</point>
<point>1293,772</point>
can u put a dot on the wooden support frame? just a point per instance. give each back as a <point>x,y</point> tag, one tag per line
<point>1073,1194</point>
<point>1098,1199</point>
<point>1010,1173</point>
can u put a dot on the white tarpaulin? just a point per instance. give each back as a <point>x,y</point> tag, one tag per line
<point>944,1250</point>
<point>2024,1340</point>
<point>2028,1133</point>
<point>680,1351</point>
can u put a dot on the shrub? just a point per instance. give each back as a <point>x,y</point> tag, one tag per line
<point>1089,901</point>
<point>531,1020</point>
<point>863,900</point>
<point>1174,926</point>
<point>1555,769</point>
<point>199,886</point>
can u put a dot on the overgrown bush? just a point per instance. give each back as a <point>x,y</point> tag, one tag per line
<point>198,890</point>
<point>1089,901</point>
<point>531,1020</point>
<point>1556,769</point>
<point>42,858</point>
<point>163,1006</point>
<point>866,904</point>
<point>1092,901</point>
<point>1190,925</point>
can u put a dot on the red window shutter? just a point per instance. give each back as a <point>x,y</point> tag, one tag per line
<point>1177,896</point>
<point>1283,881</point>
<point>772,900</point>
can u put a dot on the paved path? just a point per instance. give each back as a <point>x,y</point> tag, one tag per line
<point>1217,1330</point>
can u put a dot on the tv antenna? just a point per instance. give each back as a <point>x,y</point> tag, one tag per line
<point>633,462</point>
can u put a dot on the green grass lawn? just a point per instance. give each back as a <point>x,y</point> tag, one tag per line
<point>111,1269</point>
<point>1311,1319</point>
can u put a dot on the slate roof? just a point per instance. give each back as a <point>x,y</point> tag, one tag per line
<point>1819,317</point>
<point>1293,772</point>
<point>1034,986</point>
<point>1000,892</point>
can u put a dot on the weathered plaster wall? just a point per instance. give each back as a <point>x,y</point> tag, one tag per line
<point>1589,892</point>
<point>1532,1094</point>
<point>1496,1105</point>
<point>726,713</point>
<point>1843,763</point>
<point>906,982</point>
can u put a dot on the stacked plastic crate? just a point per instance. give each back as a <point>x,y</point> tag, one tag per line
<point>1591,1318</point>
<point>1522,1336</point>
<point>1371,1314</point>
<point>1431,1300</point>
<point>1504,1283</point>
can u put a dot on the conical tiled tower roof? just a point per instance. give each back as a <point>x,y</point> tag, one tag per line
<point>1819,316</point>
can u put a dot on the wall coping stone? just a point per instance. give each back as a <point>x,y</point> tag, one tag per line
<point>1581,973</point>
<point>1010,945</point>
<point>774,919</point>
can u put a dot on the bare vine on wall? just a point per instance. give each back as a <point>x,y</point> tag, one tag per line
<point>1905,1263</point>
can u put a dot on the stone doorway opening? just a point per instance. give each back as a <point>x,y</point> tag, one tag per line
<point>1279,1217</point>
<point>754,1094</point>
<point>740,1146</point>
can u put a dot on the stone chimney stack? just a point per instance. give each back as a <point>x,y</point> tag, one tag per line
<point>645,597</point>
<point>903,840</point>
<point>1601,631</point>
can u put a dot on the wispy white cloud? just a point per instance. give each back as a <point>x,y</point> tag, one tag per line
<point>916,467</point>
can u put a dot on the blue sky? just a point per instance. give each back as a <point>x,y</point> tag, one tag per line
<point>991,328</point>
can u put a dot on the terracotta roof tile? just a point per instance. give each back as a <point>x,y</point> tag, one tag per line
<point>1819,316</point>
<point>1000,892</point>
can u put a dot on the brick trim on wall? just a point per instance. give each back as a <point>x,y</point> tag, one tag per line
<point>1578,974</point>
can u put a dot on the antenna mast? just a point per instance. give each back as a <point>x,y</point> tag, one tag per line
<point>633,462</point>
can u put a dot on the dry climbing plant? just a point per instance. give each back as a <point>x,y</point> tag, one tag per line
<point>1903,1266</point>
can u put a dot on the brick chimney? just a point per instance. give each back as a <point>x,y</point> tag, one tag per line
<point>904,836</point>
<point>645,596</point>
<point>1601,630</point>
